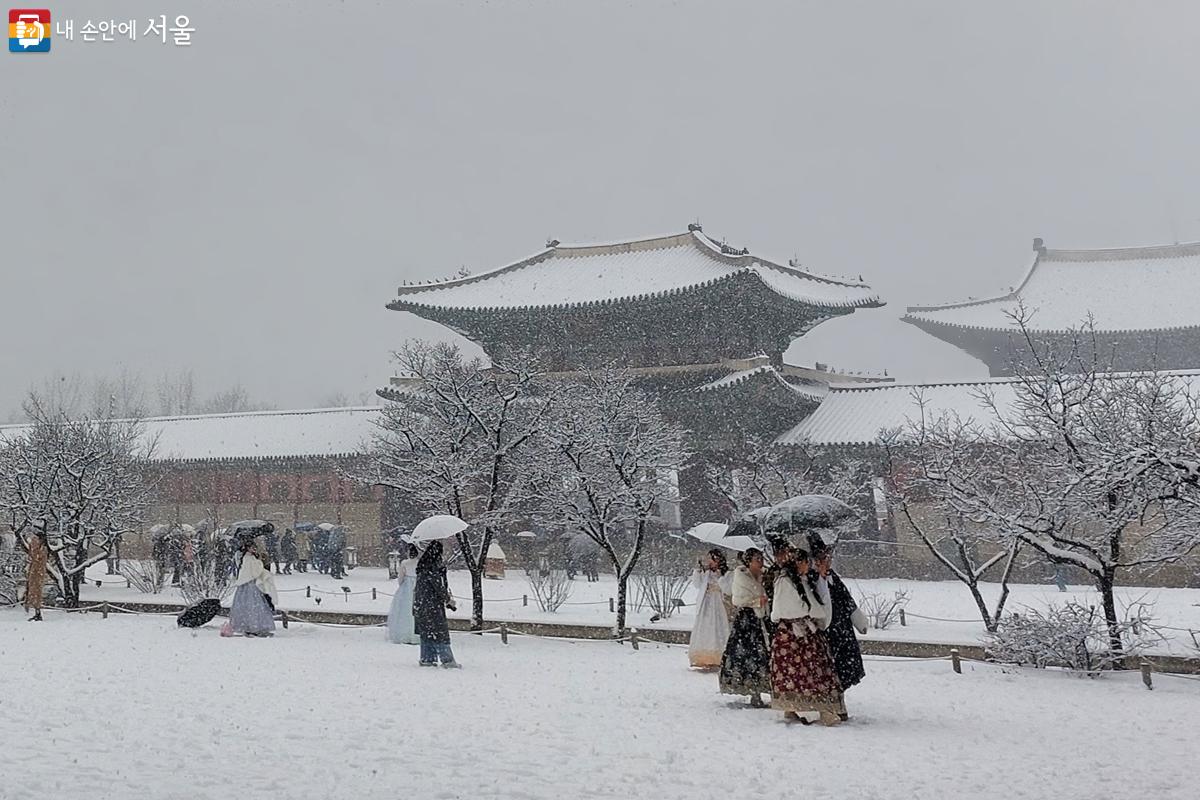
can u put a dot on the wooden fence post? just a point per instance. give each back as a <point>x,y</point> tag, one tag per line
<point>372,592</point>
<point>308,591</point>
<point>955,661</point>
<point>612,606</point>
<point>524,600</point>
<point>104,610</point>
<point>503,633</point>
<point>903,619</point>
<point>1146,674</point>
<point>633,638</point>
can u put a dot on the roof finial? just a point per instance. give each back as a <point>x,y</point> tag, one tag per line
<point>694,227</point>
<point>551,243</point>
<point>1039,246</point>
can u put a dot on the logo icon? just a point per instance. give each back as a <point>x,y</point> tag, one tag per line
<point>29,30</point>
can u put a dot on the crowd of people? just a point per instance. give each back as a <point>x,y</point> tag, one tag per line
<point>787,630</point>
<point>179,548</point>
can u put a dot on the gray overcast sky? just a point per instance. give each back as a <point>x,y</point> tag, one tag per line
<point>247,206</point>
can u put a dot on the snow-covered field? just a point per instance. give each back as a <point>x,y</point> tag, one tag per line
<point>131,707</point>
<point>588,604</point>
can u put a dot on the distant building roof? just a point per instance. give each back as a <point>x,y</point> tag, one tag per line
<point>1124,289</point>
<point>855,414</point>
<point>564,275</point>
<point>326,432</point>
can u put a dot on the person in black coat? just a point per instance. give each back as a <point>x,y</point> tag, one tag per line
<point>288,551</point>
<point>431,598</point>
<point>843,643</point>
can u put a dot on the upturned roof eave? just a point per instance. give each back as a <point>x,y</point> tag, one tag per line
<point>870,301</point>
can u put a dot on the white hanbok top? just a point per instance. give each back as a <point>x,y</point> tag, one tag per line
<point>253,571</point>
<point>809,613</point>
<point>407,569</point>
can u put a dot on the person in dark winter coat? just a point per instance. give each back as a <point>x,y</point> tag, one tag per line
<point>288,551</point>
<point>746,663</point>
<point>843,644</point>
<point>273,551</point>
<point>431,598</point>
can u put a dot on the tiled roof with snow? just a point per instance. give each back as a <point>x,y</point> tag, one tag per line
<point>259,435</point>
<point>263,435</point>
<point>855,414</point>
<point>768,372</point>
<point>574,275</point>
<point>1124,289</point>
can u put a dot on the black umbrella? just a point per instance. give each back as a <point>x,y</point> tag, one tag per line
<point>199,614</point>
<point>748,523</point>
<point>803,512</point>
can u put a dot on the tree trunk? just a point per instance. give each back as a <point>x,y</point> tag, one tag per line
<point>981,604</point>
<point>1105,584</point>
<point>622,582</point>
<point>477,598</point>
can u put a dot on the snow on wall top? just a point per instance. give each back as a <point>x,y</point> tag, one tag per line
<point>269,434</point>
<point>259,435</point>
<point>571,275</point>
<point>857,413</point>
<point>1124,289</point>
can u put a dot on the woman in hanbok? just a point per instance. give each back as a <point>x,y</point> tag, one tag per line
<point>847,617</point>
<point>252,612</point>
<point>803,680</point>
<point>711,629</point>
<point>746,665</point>
<point>400,626</point>
<point>431,598</point>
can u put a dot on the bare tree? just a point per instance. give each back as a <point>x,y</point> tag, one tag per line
<point>84,481</point>
<point>606,468</point>
<point>456,444</point>
<point>177,394</point>
<point>954,541</point>
<point>1091,468</point>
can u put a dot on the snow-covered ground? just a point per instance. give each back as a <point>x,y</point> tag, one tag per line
<point>133,707</point>
<point>588,604</point>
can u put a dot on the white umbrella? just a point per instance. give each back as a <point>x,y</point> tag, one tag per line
<point>708,532</point>
<point>526,535</point>
<point>714,533</point>
<point>439,526</point>
<point>738,544</point>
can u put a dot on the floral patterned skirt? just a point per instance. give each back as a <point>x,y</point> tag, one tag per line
<point>746,665</point>
<point>802,674</point>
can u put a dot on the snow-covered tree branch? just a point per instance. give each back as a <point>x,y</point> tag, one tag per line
<point>80,483</point>
<point>1090,468</point>
<point>605,468</point>
<point>456,443</point>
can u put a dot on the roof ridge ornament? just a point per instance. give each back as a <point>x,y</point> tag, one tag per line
<point>694,227</point>
<point>1039,246</point>
<point>552,243</point>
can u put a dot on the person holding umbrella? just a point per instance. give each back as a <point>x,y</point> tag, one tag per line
<point>746,663</point>
<point>710,632</point>
<point>252,612</point>
<point>431,598</point>
<point>803,679</point>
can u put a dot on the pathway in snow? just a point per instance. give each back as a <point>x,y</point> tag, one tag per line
<point>931,602</point>
<point>133,707</point>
